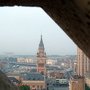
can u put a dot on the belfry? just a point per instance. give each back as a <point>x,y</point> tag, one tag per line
<point>41,58</point>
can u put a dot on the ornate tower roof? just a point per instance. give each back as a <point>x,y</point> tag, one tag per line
<point>41,45</point>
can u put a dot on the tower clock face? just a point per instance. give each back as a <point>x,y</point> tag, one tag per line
<point>42,61</point>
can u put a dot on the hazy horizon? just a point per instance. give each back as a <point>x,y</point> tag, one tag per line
<point>21,28</point>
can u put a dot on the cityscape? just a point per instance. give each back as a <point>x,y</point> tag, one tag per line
<point>43,72</point>
<point>49,68</point>
<point>40,72</point>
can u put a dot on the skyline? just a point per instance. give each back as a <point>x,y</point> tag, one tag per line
<point>21,28</point>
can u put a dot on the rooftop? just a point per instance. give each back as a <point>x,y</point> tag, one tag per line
<point>77,77</point>
<point>32,76</point>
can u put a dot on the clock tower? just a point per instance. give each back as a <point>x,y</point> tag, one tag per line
<point>41,58</point>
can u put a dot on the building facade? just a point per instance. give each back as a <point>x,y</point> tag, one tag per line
<point>34,80</point>
<point>55,74</point>
<point>24,60</point>
<point>77,83</point>
<point>41,58</point>
<point>83,63</point>
<point>87,79</point>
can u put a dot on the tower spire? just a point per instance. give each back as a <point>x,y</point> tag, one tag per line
<point>41,45</point>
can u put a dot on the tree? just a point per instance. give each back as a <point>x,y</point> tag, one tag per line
<point>86,87</point>
<point>24,87</point>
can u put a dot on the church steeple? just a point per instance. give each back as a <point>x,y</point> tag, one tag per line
<point>41,45</point>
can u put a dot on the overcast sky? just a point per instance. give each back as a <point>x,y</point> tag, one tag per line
<point>20,30</point>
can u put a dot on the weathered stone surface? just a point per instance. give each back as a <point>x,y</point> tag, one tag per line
<point>6,84</point>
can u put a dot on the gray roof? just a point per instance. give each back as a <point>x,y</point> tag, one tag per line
<point>32,76</point>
